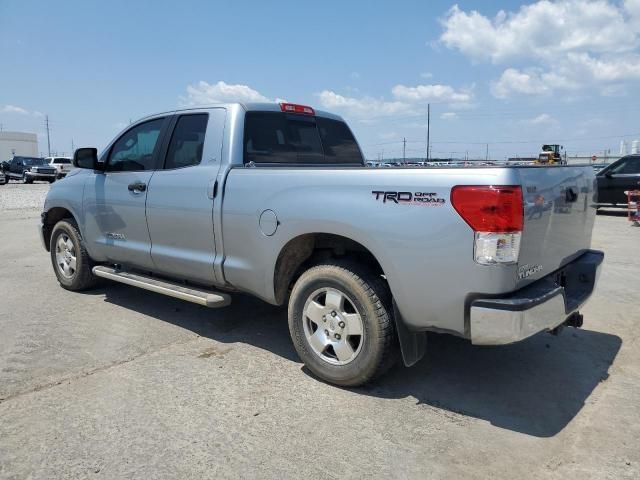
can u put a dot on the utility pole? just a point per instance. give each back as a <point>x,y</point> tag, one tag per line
<point>487,154</point>
<point>404,150</point>
<point>46,122</point>
<point>73,148</point>
<point>428,130</point>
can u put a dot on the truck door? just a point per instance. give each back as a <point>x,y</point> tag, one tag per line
<point>620,177</point>
<point>114,200</point>
<point>15,167</point>
<point>181,196</point>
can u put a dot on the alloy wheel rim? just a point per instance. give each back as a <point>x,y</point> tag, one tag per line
<point>66,256</point>
<point>333,326</point>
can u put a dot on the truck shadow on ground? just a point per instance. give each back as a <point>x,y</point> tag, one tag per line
<point>613,212</point>
<point>535,387</point>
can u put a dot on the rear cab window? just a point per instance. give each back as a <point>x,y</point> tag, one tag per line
<point>288,138</point>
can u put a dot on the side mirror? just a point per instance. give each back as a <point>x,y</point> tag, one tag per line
<point>87,158</point>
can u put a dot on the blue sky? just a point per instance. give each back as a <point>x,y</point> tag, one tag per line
<point>509,74</point>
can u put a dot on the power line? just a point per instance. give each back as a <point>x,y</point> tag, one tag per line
<point>509,142</point>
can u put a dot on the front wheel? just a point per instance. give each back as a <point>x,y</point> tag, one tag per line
<point>71,262</point>
<point>341,324</point>
<point>26,178</point>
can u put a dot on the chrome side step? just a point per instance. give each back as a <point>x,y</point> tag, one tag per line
<point>201,297</point>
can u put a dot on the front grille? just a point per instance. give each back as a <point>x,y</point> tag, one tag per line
<point>48,171</point>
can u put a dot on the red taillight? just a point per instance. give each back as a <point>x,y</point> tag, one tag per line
<point>489,208</point>
<point>294,108</point>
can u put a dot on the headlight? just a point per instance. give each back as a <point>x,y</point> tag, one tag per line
<point>34,169</point>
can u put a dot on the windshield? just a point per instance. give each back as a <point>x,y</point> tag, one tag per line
<point>62,160</point>
<point>33,161</point>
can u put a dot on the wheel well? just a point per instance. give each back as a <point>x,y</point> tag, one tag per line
<point>309,249</point>
<point>50,218</point>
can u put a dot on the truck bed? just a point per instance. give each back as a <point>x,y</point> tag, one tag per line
<point>424,248</point>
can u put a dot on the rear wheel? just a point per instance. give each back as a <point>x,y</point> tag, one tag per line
<point>341,325</point>
<point>71,262</point>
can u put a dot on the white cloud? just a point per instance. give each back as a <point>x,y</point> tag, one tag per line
<point>389,135</point>
<point>431,93</point>
<point>449,116</point>
<point>362,107</point>
<point>405,101</point>
<point>203,93</point>
<point>606,70</point>
<point>542,119</point>
<point>542,30</point>
<point>530,82</point>
<point>569,44</point>
<point>15,109</point>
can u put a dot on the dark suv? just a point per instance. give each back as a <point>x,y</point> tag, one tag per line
<point>29,169</point>
<point>619,177</point>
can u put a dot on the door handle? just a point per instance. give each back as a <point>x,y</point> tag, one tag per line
<point>137,187</point>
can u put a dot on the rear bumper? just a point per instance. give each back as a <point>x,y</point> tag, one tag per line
<point>541,306</point>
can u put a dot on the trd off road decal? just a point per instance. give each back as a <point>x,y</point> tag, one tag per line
<point>426,199</point>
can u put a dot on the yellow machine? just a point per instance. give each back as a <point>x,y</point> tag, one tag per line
<point>551,155</point>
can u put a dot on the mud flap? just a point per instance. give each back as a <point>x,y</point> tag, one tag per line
<point>413,345</point>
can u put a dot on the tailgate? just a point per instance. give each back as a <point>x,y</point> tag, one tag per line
<point>559,213</point>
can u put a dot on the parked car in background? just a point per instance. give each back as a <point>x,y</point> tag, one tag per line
<point>29,169</point>
<point>617,178</point>
<point>3,178</point>
<point>63,165</point>
<point>598,166</point>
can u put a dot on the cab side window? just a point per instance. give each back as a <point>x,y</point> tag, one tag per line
<point>187,141</point>
<point>626,166</point>
<point>135,150</point>
<point>631,166</point>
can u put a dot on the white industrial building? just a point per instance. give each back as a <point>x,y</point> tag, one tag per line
<point>18,143</point>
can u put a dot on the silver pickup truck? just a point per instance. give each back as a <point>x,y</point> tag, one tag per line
<point>275,200</point>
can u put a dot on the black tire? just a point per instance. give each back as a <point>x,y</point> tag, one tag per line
<point>369,294</point>
<point>82,278</point>
<point>26,179</point>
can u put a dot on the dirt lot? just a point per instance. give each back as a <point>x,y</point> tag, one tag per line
<point>120,383</point>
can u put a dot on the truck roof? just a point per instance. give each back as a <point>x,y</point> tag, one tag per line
<point>249,107</point>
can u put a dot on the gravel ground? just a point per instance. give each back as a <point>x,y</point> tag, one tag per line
<point>17,197</point>
<point>121,383</point>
